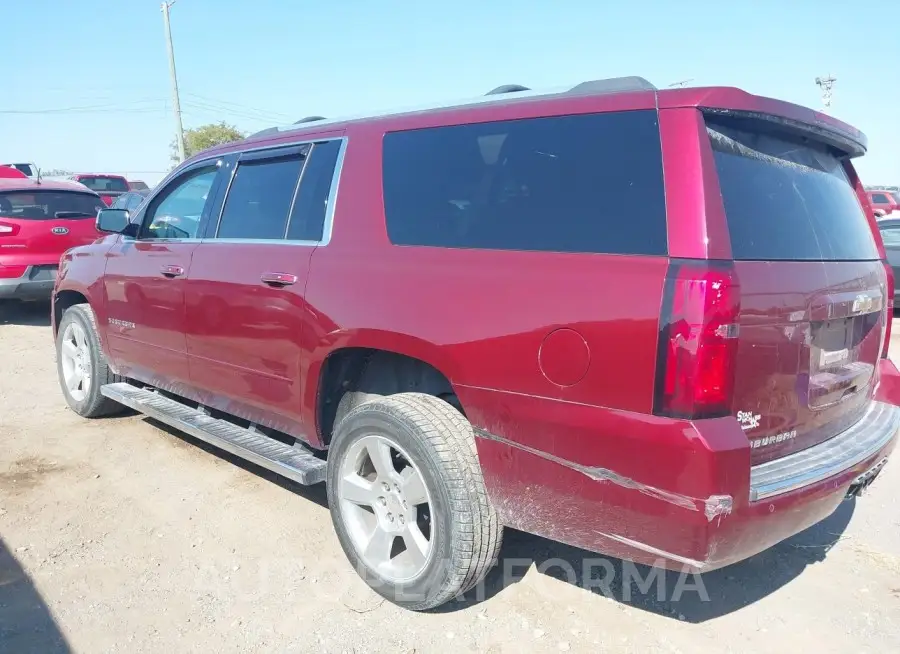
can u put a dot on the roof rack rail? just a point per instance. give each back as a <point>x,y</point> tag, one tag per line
<point>309,119</point>
<point>508,88</point>
<point>612,85</point>
<point>263,132</point>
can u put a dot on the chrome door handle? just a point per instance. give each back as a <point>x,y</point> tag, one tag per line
<point>172,271</point>
<point>277,279</point>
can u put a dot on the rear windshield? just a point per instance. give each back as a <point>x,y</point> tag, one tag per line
<point>49,205</point>
<point>25,169</point>
<point>100,183</point>
<point>786,200</point>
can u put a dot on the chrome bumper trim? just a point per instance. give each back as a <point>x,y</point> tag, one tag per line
<point>870,434</point>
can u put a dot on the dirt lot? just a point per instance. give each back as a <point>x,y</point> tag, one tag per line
<point>118,535</point>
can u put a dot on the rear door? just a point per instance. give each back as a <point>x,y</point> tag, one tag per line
<point>812,288</point>
<point>37,226</point>
<point>246,291</point>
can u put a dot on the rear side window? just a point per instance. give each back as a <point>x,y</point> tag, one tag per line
<point>308,215</point>
<point>586,183</point>
<point>787,200</point>
<point>49,205</point>
<point>100,183</point>
<point>259,199</point>
<point>880,198</point>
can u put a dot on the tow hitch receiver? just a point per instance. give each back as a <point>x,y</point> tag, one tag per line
<point>861,483</point>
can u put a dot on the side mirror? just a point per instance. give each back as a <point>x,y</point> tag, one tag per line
<point>113,221</point>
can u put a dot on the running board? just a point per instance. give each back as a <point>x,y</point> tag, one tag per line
<point>296,463</point>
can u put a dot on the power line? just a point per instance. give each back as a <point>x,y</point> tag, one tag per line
<point>238,105</point>
<point>96,108</point>
<point>228,111</point>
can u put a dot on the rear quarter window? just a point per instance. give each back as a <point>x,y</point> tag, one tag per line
<point>787,200</point>
<point>587,183</point>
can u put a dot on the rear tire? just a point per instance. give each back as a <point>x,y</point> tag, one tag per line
<point>82,366</point>
<point>411,456</point>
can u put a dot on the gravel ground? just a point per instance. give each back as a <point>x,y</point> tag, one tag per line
<point>119,535</point>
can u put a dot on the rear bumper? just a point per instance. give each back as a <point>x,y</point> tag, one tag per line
<point>665,492</point>
<point>35,284</point>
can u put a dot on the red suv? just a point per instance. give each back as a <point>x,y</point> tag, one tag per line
<point>647,323</point>
<point>885,203</point>
<point>38,222</point>
<point>109,187</point>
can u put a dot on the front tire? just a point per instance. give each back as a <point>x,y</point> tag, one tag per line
<point>408,502</point>
<point>81,364</point>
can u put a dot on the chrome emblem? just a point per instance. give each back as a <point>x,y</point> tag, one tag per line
<point>60,230</point>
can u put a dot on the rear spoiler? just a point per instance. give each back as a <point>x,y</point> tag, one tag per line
<point>849,142</point>
<point>778,114</point>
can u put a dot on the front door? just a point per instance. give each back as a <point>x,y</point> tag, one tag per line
<point>145,277</point>
<point>245,294</point>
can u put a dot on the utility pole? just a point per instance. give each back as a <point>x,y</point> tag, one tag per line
<point>176,104</point>
<point>827,86</point>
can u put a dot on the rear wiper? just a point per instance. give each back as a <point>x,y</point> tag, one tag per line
<point>72,214</point>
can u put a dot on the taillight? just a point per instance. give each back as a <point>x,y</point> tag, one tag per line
<point>889,318</point>
<point>698,340</point>
<point>107,200</point>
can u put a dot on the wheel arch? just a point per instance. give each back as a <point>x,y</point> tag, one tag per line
<point>384,362</point>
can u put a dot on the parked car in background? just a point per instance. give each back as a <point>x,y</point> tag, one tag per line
<point>884,202</point>
<point>649,323</point>
<point>109,187</point>
<point>38,222</point>
<point>890,236</point>
<point>27,169</point>
<point>129,201</point>
<point>8,172</point>
<point>138,185</point>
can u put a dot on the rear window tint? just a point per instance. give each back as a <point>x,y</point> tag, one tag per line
<point>787,200</point>
<point>100,183</point>
<point>49,205</point>
<point>586,183</point>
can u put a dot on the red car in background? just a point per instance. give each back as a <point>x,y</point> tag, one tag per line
<point>108,187</point>
<point>8,172</point>
<point>884,202</point>
<point>38,222</point>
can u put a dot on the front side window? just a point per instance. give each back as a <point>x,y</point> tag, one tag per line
<point>879,198</point>
<point>259,199</point>
<point>176,213</point>
<point>588,183</point>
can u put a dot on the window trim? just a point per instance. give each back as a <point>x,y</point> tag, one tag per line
<point>274,152</point>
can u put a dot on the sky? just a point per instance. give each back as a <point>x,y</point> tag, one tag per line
<point>87,87</point>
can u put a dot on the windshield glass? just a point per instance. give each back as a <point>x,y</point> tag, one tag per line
<point>101,183</point>
<point>49,205</point>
